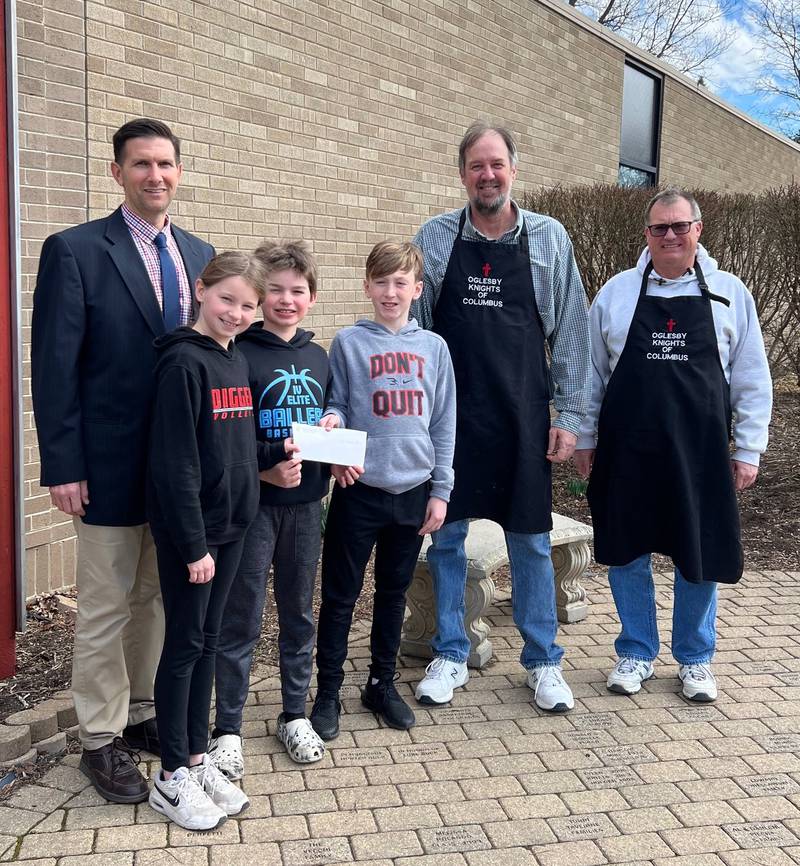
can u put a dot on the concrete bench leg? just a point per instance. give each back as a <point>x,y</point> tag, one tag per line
<point>420,625</point>
<point>570,561</point>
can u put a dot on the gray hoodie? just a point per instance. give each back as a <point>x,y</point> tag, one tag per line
<point>400,388</point>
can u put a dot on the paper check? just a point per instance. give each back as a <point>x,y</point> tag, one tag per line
<point>345,447</point>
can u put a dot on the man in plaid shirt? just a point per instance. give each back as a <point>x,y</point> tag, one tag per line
<point>501,286</point>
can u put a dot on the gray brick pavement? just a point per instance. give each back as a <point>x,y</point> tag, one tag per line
<point>490,779</point>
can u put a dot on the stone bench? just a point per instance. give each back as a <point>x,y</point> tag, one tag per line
<point>486,552</point>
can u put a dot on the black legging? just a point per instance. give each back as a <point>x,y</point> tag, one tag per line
<point>193,615</point>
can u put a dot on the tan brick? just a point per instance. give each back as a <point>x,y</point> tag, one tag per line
<point>408,817</point>
<point>646,820</point>
<point>122,838</point>
<point>257,830</point>
<point>428,860</point>
<point>56,844</point>
<point>341,823</point>
<point>569,854</point>
<point>303,803</point>
<point>710,813</point>
<point>504,857</point>
<point>178,856</point>
<point>698,840</point>
<point>623,849</point>
<point>117,858</point>
<point>528,831</point>
<point>472,812</point>
<point>368,797</point>
<point>390,845</point>
<point>534,806</point>
<point>600,800</point>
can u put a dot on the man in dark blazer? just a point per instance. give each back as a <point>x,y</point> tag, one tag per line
<point>105,290</point>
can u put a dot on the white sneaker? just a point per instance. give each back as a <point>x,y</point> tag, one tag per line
<point>185,803</point>
<point>302,742</point>
<point>698,682</point>
<point>441,677</point>
<point>225,753</point>
<point>225,794</point>
<point>550,692</point>
<point>628,675</point>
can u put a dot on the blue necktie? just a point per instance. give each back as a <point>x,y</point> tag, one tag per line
<point>169,284</point>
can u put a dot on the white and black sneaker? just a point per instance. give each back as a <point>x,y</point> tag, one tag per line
<point>229,798</point>
<point>698,682</point>
<point>441,677</point>
<point>226,755</point>
<point>185,803</point>
<point>628,675</point>
<point>550,690</point>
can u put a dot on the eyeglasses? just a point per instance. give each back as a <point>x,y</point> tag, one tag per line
<point>660,229</point>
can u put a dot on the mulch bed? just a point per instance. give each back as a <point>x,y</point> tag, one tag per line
<point>770,534</point>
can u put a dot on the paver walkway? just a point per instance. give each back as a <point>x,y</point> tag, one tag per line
<point>491,780</point>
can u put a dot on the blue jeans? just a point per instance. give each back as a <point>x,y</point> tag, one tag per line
<point>533,594</point>
<point>694,614</point>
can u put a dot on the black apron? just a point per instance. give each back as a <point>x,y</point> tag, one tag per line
<point>661,480</point>
<point>487,313</point>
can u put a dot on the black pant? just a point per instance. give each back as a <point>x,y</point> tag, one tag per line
<point>288,538</point>
<point>193,615</point>
<point>361,517</point>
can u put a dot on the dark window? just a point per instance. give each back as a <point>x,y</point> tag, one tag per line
<point>639,138</point>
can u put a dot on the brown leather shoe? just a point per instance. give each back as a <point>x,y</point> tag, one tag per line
<point>113,772</point>
<point>143,737</point>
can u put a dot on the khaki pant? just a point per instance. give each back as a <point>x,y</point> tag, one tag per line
<point>119,630</point>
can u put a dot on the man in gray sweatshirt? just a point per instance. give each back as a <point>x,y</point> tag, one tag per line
<point>394,380</point>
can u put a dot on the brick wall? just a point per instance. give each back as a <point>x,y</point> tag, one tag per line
<point>333,121</point>
<point>705,146</point>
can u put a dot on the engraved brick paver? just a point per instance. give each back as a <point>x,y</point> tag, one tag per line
<point>490,780</point>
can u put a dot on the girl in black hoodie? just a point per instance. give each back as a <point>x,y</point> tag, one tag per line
<point>203,493</point>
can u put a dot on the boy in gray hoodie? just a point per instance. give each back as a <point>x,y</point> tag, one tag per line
<point>394,380</point>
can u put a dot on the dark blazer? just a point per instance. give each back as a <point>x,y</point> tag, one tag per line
<point>95,316</point>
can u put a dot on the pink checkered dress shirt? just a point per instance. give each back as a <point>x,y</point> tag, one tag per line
<point>143,235</point>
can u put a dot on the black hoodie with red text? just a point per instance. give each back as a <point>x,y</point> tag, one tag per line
<point>290,382</point>
<point>203,472</point>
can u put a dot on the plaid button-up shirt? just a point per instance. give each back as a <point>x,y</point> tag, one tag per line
<point>143,234</point>
<point>560,298</point>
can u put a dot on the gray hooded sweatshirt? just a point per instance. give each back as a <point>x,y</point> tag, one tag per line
<point>400,388</point>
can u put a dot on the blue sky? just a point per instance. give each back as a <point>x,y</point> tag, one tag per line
<point>735,74</point>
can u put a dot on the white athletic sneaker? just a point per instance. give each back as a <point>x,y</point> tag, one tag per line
<point>698,682</point>
<point>225,753</point>
<point>441,677</point>
<point>628,675</point>
<point>225,794</point>
<point>550,692</point>
<point>185,803</point>
<point>302,742</point>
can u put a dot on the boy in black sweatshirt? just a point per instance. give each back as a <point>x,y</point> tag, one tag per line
<point>289,380</point>
<point>202,496</point>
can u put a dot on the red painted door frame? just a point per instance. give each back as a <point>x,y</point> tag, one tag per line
<point>8,411</point>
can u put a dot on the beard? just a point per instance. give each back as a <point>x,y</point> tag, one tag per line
<point>492,207</point>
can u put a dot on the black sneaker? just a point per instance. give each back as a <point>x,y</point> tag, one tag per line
<point>324,716</point>
<point>383,699</point>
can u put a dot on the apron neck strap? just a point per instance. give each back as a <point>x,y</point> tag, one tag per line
<point>701,282</point>
<point>523,235</point>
